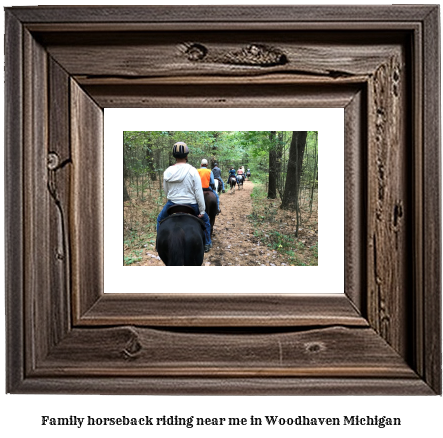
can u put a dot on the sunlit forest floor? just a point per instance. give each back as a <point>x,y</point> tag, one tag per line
<point>250,231</point>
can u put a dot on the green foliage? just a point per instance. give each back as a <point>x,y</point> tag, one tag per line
<point>314,250</point>
<point>264,219</point>
<point>310,163</point>
<point>133,258</point>
<point>148,153</point>
<point>136,239</point>
<point>258,192</point>
<point>280,241</point>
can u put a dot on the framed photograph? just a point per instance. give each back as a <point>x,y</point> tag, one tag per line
<point>65,65</point>
<point>251,231</point>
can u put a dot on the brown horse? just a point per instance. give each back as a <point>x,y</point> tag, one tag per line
<point>211,206</point>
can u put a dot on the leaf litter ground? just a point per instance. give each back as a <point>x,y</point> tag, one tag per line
<point>250,231</point>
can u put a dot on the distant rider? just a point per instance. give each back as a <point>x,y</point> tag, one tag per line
<point>207,179</point>
<point>182,185</point>
<point>231,173</point>
<point>216,171</point>
<point>240,174</point>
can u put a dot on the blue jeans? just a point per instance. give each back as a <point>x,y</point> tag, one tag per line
<point>205,218</point>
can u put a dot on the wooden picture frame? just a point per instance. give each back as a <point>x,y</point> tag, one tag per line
<point>65,64</point>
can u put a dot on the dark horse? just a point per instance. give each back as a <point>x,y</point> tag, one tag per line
<point>211,206</point>
<point>181,239</point>
<point>232,182</point>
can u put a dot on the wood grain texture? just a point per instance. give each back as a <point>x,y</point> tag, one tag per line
<point>14,203</point>
<point>59,167</point>
<point>231,95</point>
<point>418,358</point>
<point>129,351</point>
<point>355,187</point>
<point>205,310</point>
<point>384,340</point>
<point>222,14</point>
<point>388,204</point>
<point>223,53</point>
<point>288,386</point>
<point>432,334</point>
<point>86,200</point>
<point>37,258</point>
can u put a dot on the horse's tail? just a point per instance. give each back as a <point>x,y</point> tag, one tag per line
<point>176,247</point>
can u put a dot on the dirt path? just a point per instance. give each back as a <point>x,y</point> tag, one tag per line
<point>233,240</point>
<point>234,243</point>
<point>231,245</point>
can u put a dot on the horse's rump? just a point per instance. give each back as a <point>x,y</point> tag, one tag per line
<point>218,185</point>
<point>211,207</point>
<point>180,240</point>
<point>176,246</point>
<point>232,182</point>
<point>209,196</point>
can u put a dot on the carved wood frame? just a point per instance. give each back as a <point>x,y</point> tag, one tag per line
<point>65,336</point>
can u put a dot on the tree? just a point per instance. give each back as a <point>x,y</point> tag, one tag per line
<point>150,161</point>
<point>126,196</point>
<point>272,187</point>
<point>314,173</point>
<point>290,199</point>
<point>278,166</point>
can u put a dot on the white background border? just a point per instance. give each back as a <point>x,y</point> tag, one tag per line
<point>329,122</point>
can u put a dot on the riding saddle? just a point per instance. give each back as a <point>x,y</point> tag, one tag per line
<point>180,210</point>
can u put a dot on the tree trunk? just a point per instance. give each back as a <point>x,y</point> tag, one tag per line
<point>214,150</point>
<point>296,152</point>
<point>278,162</point>
<point>272,188</point>
<point>126,196</point>
<point>171,142</point>
<point>150,162</point>
<point>314,177</point>
<point>125,193</point>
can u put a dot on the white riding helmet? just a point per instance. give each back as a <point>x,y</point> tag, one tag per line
<point>204,161</point>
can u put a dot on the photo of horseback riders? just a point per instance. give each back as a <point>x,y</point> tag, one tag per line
<point>190,198</point>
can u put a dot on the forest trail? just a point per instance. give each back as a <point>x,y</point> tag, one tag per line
<point>231,244</point>
<point>233,240</point>
<point>259,224</point>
